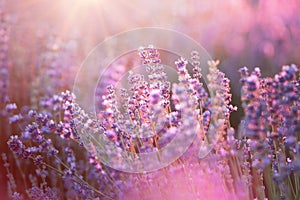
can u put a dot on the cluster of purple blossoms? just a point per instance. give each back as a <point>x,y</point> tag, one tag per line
<point>48,139</point>
<point>271,125</point>
<point>68,146</point>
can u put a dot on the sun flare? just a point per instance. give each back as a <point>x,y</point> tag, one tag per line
<point>88,1</point>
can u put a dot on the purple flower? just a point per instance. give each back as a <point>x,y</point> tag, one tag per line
<point>36,193</point>
<point>10,107</point>
<point>15,118</point>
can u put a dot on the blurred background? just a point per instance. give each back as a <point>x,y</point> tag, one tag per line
<point>43,42</point>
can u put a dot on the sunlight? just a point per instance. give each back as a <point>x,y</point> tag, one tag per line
<point>88,1</point>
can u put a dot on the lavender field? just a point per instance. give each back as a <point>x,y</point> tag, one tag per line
<point>180,99</point>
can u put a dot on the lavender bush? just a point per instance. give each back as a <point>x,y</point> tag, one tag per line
<point>52,149</point>
<point>64,146</point>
